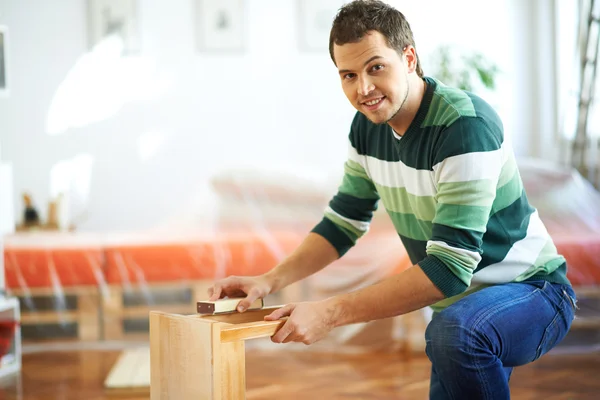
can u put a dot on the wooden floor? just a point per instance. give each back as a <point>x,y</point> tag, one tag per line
<point>76,375</point>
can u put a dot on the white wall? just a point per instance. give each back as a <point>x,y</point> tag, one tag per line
<point>207,112</point>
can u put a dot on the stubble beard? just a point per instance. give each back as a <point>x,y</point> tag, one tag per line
<point>401,104</point>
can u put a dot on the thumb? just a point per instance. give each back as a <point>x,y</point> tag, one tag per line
<point>244,304</point>
<point>280,312</point>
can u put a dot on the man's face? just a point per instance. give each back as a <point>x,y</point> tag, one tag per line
<point>374,76</point>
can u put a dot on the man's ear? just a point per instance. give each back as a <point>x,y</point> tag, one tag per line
<point>410,54</point>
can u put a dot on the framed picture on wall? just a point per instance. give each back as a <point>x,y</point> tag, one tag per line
<point>314,25</point>
<point>220,25</point>
<point>116,18</point>
<point>3,61</point>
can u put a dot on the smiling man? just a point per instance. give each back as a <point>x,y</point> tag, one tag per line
<point>437,160</point>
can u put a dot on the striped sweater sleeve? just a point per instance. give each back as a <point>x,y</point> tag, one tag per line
<point>350,211</point>
<point>468,159</point>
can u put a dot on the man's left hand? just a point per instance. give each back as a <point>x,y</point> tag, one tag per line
<point>308,322</point>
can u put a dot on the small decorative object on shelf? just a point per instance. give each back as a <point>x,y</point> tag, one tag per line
<point>57,218</point>
<point>30,214</point>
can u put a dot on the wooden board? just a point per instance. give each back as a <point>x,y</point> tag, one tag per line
<point>185,358</point>
<point>130,374</point>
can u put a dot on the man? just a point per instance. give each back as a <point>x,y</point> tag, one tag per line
<point>436,158</point>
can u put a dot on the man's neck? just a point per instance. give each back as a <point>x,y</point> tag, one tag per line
<point>405,116</point>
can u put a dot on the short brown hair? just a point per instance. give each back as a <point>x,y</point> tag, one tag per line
<point>358,17</point>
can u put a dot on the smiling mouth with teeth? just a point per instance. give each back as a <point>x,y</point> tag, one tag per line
<point>374,101</point>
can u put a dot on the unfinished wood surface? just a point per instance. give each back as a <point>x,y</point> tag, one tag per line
<point>112,313</point>
<point>138,311</point>
<point>130,373</point>
<point>231,371</point>
<point>181,357</point>
<point>250,330</point>
<point>203,356</point>
<point>240,318</point>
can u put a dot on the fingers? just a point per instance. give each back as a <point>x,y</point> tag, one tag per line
<point>291,332</point>
<point>249,290</point>
<point>295,329</point>
<point>298,335</point>
<point>280,313</point>
<point>214,292</point>
<point>283,333</point>
<point>224,288</point>
<point>244,304</point>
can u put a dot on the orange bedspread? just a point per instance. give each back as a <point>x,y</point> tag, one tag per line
<point>47,267</point>
<point>44,261</point>
<point>40,263</point>
<point>222,256</point>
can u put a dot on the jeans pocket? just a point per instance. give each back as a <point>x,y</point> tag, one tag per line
<point>550,337</point>
<point>558,328</point>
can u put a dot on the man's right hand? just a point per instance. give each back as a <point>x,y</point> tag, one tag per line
<point>252,287</point>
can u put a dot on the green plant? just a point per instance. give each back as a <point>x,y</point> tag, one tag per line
<point>470,71</point>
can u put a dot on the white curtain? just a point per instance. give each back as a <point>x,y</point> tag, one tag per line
<point>577,42</point>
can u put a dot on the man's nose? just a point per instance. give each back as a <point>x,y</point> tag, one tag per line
<point>365,86</point>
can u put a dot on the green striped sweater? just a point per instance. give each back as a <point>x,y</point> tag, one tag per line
<point>452,188</point>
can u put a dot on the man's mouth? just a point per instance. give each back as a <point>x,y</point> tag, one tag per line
<point>373,104</point>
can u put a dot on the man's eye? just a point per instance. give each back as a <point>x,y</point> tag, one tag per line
<point>349,76</point>
<point>377,67</point>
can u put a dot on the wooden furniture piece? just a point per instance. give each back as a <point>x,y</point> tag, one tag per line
<point>71,312</point>
<point>195,357</point>
<point>57,284</point>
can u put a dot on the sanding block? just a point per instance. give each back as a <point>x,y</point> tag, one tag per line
<point>223,306</point>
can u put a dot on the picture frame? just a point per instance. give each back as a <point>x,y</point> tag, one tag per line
<point>314,24</point>
<point>4,54</point>
<point>114,17</point>
<point>220,26</point>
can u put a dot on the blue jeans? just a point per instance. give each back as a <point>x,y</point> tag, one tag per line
<point>474,344</point>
